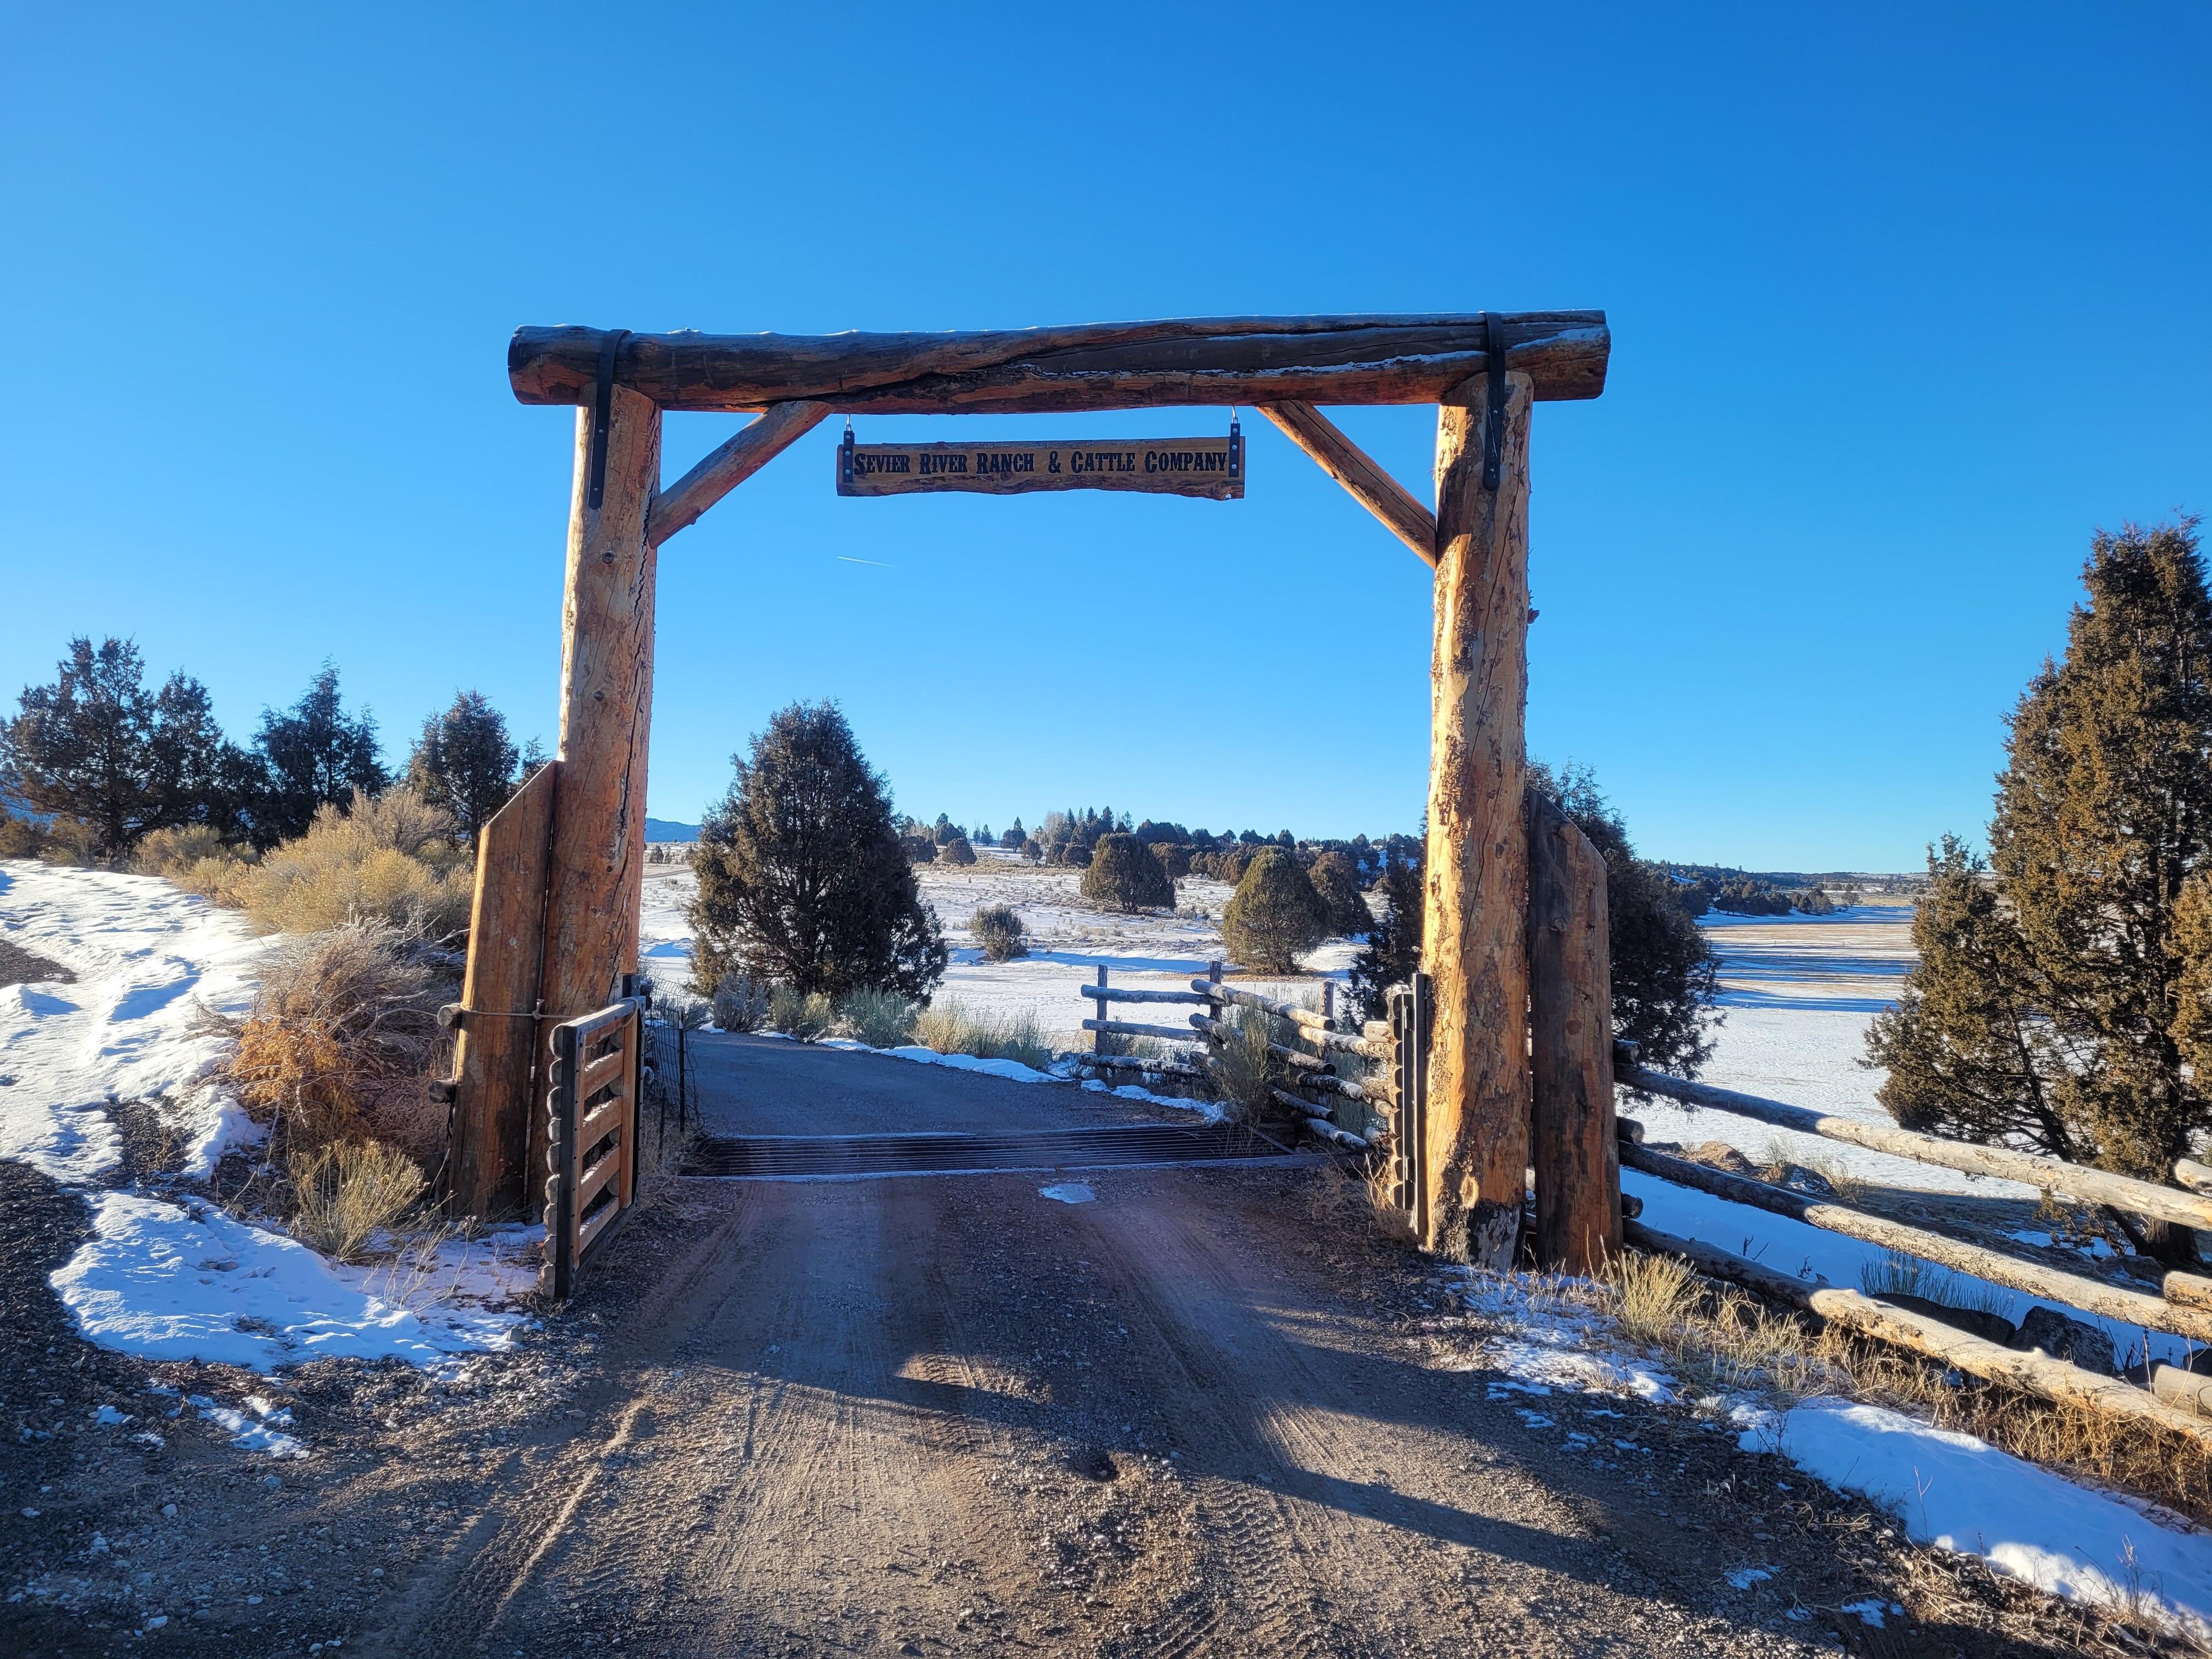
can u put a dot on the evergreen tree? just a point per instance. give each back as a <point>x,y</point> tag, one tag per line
<point>313,753</point>
<point>801,879</point>
<point>959,850</point>
<point>1336,878</point>
<point>2055,1006</point>
<point>465,764</point>
<point>99,745</point>
<point>1393,954</point>
<point>1013,840</point>
<point>1123,875</point>
<point>1274,915</point>
<point>1666,977</point>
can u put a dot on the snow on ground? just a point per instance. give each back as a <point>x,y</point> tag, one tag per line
<point>1959,1493</point>
<point>1798,992</point>
<point>168,1281</point>
<point>1947,1490</point>
<point>187,1281</point>
<point>1069,941</point>
<point>148,958</point>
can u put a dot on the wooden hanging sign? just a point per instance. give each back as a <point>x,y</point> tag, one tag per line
<point>1212,468</point>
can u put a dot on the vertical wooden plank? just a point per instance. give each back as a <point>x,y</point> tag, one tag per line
<point>488,1136</point>
<point>596,868</point>
<point>1473,946</point>
<point>1099,1038</point>
<point>632,1074</point>
<point>1577,1162</point>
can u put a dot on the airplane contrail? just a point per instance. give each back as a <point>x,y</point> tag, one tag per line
<point>878,563</point>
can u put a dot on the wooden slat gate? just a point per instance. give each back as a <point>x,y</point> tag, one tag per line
<point>592,1151</point>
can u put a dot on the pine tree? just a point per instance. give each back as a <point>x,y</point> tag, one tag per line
<point>801,878</point>
<point>2053,999</point>
<point>314,753</point>
<point>1274,915</point>
<point>99,746</point>
<point>465,764</point>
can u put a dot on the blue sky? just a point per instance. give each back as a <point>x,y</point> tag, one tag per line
<point>1906,301</point>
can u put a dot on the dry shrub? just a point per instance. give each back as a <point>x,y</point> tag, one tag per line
<point>950,1027</point>
<point>390,860</point>
<point>195,858</point>
<point>805,1015</point>
<point>882,1019</point>
<point>741,1002</point>
<point>1244,1072</point>
<point>344,1193</point>
<point>342,1042</point>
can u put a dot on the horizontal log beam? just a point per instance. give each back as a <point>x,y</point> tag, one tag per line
<point>729,465</point>
<point>1321,1126</point>
<point>1143,365</point>
<point>1130,1028</point>
<point>2129,1307</point>
<point>1115,993</point>
<point>1297,1059</point>
<point>1362,477</point>
<point>2030,1169</point>
<point>1140,1063</point>
<point>2031,1372</point>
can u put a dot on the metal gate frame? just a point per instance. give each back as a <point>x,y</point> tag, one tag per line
<point>591,1179</point>
<point>1413,1007</point>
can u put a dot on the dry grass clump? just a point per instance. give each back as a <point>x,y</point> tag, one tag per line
<point>1244,1071</point>
<point>805,1015</point>
<point>882,1019</point>
<point>344,1193</point>
<point>950,1027</point>
<point>1722,1339</point>
<point>740,1002</point>
<point>390,860</point>
<point>341,1044</point>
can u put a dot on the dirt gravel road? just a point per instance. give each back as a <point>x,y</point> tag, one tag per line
<point>1212,1411</point>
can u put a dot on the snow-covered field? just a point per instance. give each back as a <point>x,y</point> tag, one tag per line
<point>167,1277</point>
<point>1069,941</point>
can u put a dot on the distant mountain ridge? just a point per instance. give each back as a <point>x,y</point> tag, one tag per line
<point>670,829</point>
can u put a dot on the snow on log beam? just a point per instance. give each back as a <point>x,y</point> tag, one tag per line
<point>1177,363</point>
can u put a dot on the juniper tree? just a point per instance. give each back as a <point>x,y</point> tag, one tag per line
<point>1665,977</point>
<point>100,745</point>
<point>1274,915</point>
<point>1393,953</point>
<point>312,754</point>
<point>1336,878</point>
<point>801,878</point>
<point>2056,1007</point>
<point>465,764</point>
<point>1123,875</point>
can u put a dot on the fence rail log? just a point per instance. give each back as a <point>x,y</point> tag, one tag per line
<point>1313,1028</point>
<point>1138,1063</point>
<point>2031,1168</point>
<point>1176,362</point>
<point>1115,993</point>
<point>2197,1177</point>
<point>1130,1028</point>
<point>2113,1301</point>
<point>1364,479</point>
<point>2030,1372</point>
<point>1304,1061</point>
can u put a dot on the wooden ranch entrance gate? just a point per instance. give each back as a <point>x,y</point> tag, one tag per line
<point>559,871</point>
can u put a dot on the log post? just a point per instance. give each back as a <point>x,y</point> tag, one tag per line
<point>1572,1144</point>
<point>1477,887</point>
<point>596,868</point>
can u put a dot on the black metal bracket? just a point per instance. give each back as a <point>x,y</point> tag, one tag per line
<point>603,403</point>
<point>845,462</point>
<point>1236,449</point>
<point>1494,425</point>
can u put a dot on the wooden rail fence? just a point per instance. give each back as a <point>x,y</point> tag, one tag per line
<point>2181,1306</point>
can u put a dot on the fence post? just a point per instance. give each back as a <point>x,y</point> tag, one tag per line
<point>1328,1002</point>
<point>1571,1145</point>
<point>1409,1033</point>
<point>1098,1012</point>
